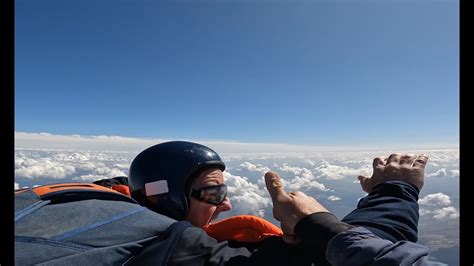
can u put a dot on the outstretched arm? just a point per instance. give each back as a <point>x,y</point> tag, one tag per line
<point>391,209</point>
<point>359,246</point>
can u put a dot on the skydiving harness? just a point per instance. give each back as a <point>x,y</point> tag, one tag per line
<point>56,223</point>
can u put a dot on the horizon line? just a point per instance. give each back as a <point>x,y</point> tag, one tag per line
<point>48,141</point>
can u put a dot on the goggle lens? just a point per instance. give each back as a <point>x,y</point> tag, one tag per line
<point>211,194</point>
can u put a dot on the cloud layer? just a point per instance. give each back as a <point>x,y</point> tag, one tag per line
<point>27,140</point>
<point>69,166</point>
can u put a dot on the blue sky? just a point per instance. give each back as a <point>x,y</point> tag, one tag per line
<point>305,72</point>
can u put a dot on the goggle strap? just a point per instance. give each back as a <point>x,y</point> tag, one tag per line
<point>196,193</point>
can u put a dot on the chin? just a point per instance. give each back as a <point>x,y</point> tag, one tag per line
<point>214,217</point>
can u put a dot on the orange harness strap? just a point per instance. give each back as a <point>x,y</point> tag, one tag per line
<point>243,228</point>
<point>47,189</point>
<point>122,189</point>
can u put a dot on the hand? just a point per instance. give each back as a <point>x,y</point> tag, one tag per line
<point>289,208</point>
<point>406,167</point>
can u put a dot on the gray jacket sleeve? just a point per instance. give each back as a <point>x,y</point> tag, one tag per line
<point>359,246</point>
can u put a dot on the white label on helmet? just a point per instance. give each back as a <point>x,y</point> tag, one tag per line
<point>156,188</point>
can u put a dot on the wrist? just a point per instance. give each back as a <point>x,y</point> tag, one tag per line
<point>316,230</point>
<point>397,188</point>
<point>327,223</point>
<point>304,215</point>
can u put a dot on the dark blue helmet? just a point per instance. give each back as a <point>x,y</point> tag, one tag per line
<point>161,176</point>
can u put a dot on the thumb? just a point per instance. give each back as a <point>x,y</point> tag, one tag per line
<point>275,186</point>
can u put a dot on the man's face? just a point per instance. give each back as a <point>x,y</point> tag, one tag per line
<point>202,213</point>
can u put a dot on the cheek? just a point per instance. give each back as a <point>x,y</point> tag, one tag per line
<point>200,213</point>
<point>204,209</point>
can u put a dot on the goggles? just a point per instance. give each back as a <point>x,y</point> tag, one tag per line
<point>214,195</point>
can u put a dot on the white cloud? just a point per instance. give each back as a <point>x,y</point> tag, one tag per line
<point>80,143</point>
<point>442,213</point>
<point>446,213</point>
<point>440,173</point>
<point>437,206</point>
<point>122,166</point>
<point>42,167</point>
<point>25,140</point>
<point>90,177</point>
<point>246,197</point>
<point>304,183</point>
<point>112,172</point>
<point>437,199</point>
<point>333,198</point>
<point>443,157</point>
<point>303,172</point>
<point>424,212</point>
<point>255,167</point>
<point>101,173</point>
<point>362,161</point>
<point>330,171</point>
<point>74,156</point>
<point>70,165</point>
<point>89,166</point>
<point>454,173</point>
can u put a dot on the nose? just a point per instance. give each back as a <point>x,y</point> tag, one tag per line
<point>225,205</point>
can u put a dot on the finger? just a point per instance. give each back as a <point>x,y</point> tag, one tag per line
<point>363,182</point>
<point>379,161</point>
<point>407,159</point>
<point>421,161</point>
<point>394,158</point>
<point>275,186</point>
<point>362,178</point>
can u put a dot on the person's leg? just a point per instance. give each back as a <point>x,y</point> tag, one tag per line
<point>390,211</point>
